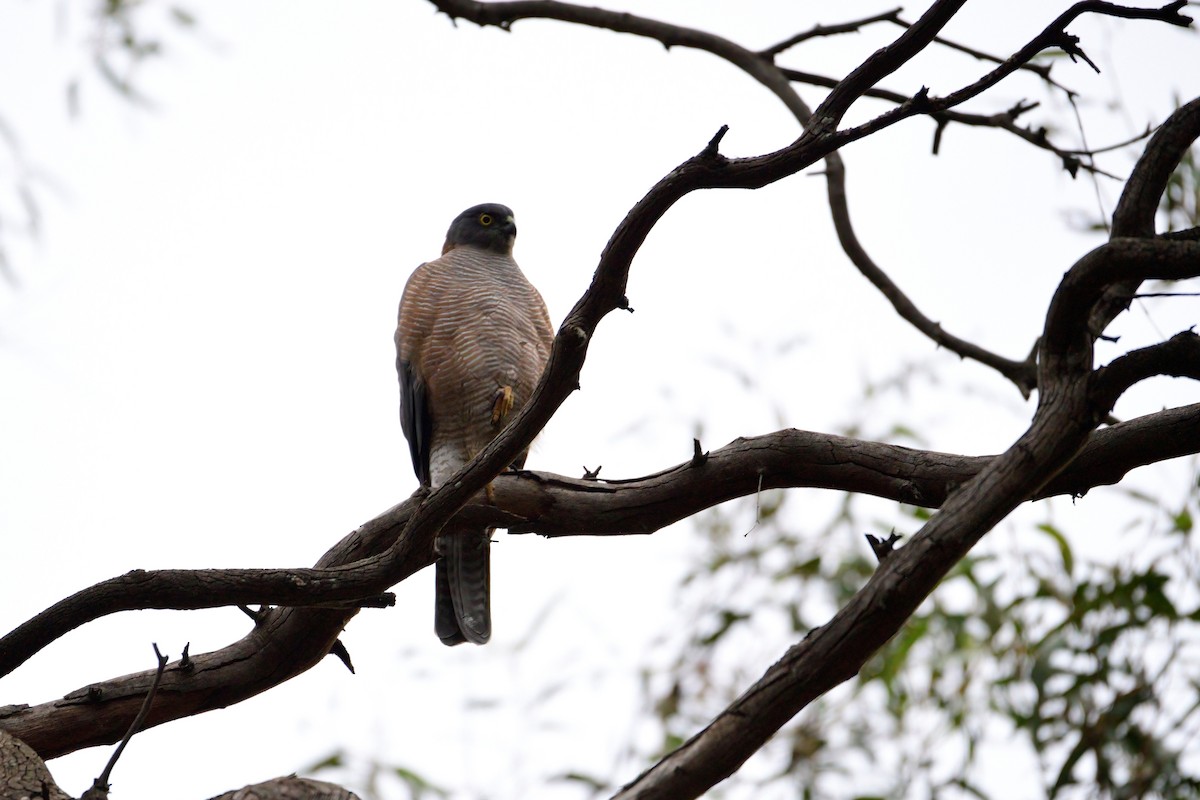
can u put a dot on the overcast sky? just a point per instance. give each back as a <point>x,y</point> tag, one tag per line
<point>197,367</point>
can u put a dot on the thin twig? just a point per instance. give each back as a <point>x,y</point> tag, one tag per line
<point>830,30</point>
<point>1042,71</point>
<point>1004,120</point>
<point>100,786</point>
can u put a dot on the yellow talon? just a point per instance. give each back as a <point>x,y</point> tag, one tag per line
<point>502,404</point>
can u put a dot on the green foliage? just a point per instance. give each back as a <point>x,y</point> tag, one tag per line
<point>370,775</point>
<point>126,37</point>
<point>1082,671</point>
<point>19,210</point>
<point>122,36</point>
<point>1181,201</point>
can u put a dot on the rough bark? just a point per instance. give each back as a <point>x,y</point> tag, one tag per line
<point>1061,452</point>
<point>23,774</point>
<point>290,788</point>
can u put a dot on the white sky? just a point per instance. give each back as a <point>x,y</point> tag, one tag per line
<point>198,371</point>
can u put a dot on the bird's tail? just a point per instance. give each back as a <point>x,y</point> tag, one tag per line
<point>462,603</point>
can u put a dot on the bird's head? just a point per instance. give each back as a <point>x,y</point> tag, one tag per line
<point>489,226</point>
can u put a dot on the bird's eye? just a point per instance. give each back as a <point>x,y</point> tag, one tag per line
<point>485,219</point>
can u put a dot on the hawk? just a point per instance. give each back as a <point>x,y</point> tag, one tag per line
<point>472,340</point>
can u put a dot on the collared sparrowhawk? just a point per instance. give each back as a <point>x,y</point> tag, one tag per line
<point>472,340</point>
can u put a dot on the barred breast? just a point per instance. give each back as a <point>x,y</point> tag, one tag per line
<point>471,324</point>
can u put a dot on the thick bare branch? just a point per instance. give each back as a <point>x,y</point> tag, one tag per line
<point>834,653</point>
<point>1119,262</point>
<point>290,788</point>
<point>777,80</point>
<point>285,644</point>
<point>883,62</point>
<point>1135,211</point>
<point>182,589</point>
<point>1054,35</point>
<point>24,772</point>
<point>1138,206</point>
<point>555,505</point>
<point>1041,70</point>
<point>1112,452</point>
<point>534,502</point>
<point>255,663</point>
<point>1178,357</point>
<point>757,172</point>
<point>287,641</point>
<point>100,786</point>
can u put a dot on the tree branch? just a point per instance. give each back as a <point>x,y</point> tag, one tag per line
<point>834,653</point>
<point>100,787</point>
<point>287,641</point>
<point>1042,71</point>
<point>1135,211</point>
<point>882,63</point>
<point>25,773</point>
<point>290,788</point>
<point>748,173</point>
<point>1054,35</point>
<point>762,69</point>
<point>554,505</point>
<point>1119,262</point>
<point>1178,357</point>
<point>830,30</point>
<point>1004,120</point>
<point>528,502</point>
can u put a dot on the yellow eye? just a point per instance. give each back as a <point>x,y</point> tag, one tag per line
<point>485,219</point>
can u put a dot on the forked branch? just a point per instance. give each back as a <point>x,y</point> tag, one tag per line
<point>286,641</point>
<point>861,82</point>
<point>1068,410</point>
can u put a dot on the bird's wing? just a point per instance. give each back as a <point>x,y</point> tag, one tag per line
<point>416,419</point>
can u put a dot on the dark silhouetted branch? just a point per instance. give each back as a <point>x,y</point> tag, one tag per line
<point>749,173</point>
<point>818,31</point>
<point>832,654</point>
<point>311,607</point>
<point>99,788</point>
<point>1136,209</point>
<point>1178,357</point>
<point>528,502</point>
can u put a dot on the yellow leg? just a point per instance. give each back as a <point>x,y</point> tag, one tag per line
<point>502,404</point>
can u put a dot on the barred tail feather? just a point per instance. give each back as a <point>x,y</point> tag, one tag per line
<point>462,604</point>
